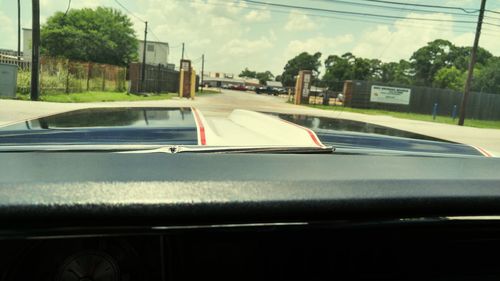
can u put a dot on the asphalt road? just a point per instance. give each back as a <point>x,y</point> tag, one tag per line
<point>222,104</point>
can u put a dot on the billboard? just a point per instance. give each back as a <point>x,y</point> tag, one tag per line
<point>384,94</point>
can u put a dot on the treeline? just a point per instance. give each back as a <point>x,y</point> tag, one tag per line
<point>438,64</point>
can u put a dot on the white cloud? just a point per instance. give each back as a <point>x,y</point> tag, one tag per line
<point>403,38</point>
<point>325,45</point>
<point>298,21</point>
<point>258,15</point>
<point>7,28</point>
<point>246,47</point>
<point>406,36</point>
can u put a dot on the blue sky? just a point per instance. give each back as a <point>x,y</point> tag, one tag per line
<point>233,34</point>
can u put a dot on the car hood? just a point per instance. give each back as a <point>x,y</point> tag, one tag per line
<point>159,126</point>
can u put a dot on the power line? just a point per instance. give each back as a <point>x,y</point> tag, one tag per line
<point>491,11</point>
<point>255,6</point>
<point>366,14</point>
<point>354,13</point>
<point>471,11</point>
<point>67,9</point>
<point>351,18</point>
<point>128,11</point>
<point>395,8</point>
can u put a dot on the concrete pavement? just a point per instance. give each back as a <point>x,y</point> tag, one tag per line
<point>222,104</point>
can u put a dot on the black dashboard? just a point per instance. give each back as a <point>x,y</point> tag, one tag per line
<point>438,249</point>
<point>117,216</point>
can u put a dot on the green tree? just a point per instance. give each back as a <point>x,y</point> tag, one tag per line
<point>103,35</point>
<point>396,72</point>
<point>349,67</point>
<point>264,77</point>
<point>487,78</point>
<point>450,78</point>
<point>277,78</point>
<point>429,59</point>
<point>248,73</point>
<point>461,56</point>
<point>303,61</point>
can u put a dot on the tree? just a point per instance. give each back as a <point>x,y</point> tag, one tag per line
<point>248,73</point>
<point>103,35</point>
<point>396,72</point>
<point>349,67</point>
<point>303,61</point>
<point>450,78</point>
<point>264,77</point>
<point>429,59</point>
<point>487,78</point>
<point>337,70</point>
<point>461,57</point>
<point>277,78</point>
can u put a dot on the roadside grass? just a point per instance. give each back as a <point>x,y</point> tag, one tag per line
<point>97,97</point>
<point>413,116</point>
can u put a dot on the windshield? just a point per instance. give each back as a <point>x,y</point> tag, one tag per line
<point>419,76</point>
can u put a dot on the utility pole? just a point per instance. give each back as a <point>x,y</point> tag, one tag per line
<point>472,62</point>
<point>202,70</point>
<point>143,76</point>
<point>182,50</point>
<point>18,30</point>
<point>35,51</point>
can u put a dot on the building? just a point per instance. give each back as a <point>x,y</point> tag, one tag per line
<point>222,82</point>
<point>274,84</point>
<point>221,75</point>
<point>156,52</point>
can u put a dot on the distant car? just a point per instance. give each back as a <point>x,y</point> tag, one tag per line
<point>251,88</point>
<point>267,90</point>
<point>239,87</point>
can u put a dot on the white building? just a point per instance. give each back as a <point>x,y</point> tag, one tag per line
<point>156,52</point>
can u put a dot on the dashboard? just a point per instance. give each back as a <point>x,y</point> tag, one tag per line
<point>154,216</point>
<point>438,249</point>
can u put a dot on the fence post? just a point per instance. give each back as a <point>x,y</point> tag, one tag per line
<point>158,83</point>
<point>434,111</point>
<point>89,71</point>
<point>67,76</point>
<point>42,63</point>
<point>454,112</point>
<point>103,77</point>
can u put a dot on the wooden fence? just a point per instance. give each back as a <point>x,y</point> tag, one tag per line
<point>158,79</point>
<point>483,106</point>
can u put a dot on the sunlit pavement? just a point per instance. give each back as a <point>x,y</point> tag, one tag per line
<point>222,104</point>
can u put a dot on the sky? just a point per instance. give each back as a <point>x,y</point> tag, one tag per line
<point>235,34</point>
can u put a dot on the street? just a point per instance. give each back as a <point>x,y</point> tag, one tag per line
<point>222,104</point>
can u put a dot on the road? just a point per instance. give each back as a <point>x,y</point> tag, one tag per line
<point>222,104</point>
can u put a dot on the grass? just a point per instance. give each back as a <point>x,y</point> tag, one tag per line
<point>106,96</point>
<point>414,116</point>
<point>98,97</point>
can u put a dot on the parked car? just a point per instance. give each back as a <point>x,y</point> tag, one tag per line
<point>238,87</point>
<point>267,90</point>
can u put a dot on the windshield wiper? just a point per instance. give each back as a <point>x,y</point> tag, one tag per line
<point>258,149</point>
<point>170,149</point>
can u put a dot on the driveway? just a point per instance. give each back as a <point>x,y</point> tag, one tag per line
<point>222,104</point>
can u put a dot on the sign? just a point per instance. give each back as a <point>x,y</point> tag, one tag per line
<point>384,94</point>
<point>305,88</point>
